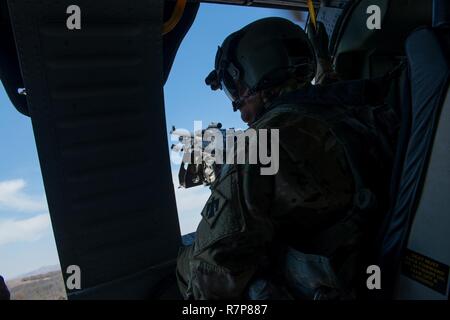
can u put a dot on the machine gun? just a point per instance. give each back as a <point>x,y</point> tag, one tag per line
<point>198,164</point>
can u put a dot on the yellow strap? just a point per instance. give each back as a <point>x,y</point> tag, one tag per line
<point>312,13</point>
<point>176,16</point>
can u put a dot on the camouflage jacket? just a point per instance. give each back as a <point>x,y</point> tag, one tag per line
<point>331,170</point>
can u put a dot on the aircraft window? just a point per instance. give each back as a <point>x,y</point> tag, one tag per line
<point>27,245</point>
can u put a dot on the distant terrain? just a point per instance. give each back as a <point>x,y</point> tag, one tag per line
<point>46,283</point>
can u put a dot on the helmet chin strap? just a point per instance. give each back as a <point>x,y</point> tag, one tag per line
<point>237,104</point>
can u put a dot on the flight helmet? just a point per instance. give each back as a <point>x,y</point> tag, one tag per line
<point>261,55</point>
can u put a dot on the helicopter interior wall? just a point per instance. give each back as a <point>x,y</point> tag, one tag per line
<point>97,110</point>
<point>423,178</point>
<point>144,283</point>
<point>172,40</point>
<point>363,53</point>
<point>429,231</point>
<point>10,74</point>
<point>376,51</point>
<point>155,283</point>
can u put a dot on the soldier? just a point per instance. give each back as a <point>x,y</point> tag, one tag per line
<point>301,232</point>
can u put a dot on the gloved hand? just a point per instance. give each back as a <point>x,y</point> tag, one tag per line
<point>319,40</point>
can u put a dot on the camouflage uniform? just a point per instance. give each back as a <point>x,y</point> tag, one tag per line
<point>321,201</point>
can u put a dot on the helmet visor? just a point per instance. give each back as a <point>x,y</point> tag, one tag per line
<point>229,86</point>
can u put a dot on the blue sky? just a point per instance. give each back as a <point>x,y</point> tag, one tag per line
<point>26,237</point>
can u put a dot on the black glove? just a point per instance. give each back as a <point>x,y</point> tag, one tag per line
<point>319,40</point>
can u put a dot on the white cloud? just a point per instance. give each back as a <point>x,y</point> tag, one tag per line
<point>31,229</point>
<point>13,198</point>
<point>190,203</point>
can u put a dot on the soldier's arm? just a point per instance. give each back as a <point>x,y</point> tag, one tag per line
<point>231,241</point>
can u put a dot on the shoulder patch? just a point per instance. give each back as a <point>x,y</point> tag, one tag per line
<point>213,208</point>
